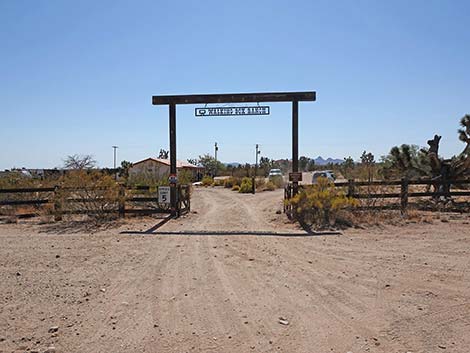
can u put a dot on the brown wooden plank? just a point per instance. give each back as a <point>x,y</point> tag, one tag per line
<point>234,98</point>
<point>25,190</point>
<point>23,202</point>
<point>376,196</point>
<point>142,199</point>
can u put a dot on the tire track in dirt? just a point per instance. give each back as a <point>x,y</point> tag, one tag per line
<point>124,316</point>
<point>320,303</point>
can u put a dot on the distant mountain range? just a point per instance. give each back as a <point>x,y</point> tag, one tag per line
<point>320,161</point>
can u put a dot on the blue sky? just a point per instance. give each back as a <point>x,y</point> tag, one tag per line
<point>78,76</point>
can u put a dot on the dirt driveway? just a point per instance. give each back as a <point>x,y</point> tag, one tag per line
<point>401,289</point>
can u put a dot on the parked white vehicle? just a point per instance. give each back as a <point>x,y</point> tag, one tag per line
<point>274,173</point>
<point>328,174</point>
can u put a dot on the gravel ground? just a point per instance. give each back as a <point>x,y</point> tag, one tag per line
<point>236,278</point>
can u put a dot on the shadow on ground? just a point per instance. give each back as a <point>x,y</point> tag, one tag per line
<point>154,230</point>
<point>75,227</point>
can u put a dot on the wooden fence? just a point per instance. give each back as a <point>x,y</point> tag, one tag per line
<point>401,190</point>
<point>59,201</point>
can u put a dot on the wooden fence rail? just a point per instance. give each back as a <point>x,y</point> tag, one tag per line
<point>122,205</point>
<point>442,188</point>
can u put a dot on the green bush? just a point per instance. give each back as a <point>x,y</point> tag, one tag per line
<point>320,203</point>
<point>93,193</point>
<point>246,186</point>
<point>185,177</point>
<point>207,181</point>
<point>260,183</point>
<point>232,181</point>
<point>218,182</point>
<point>270,186</point>
<point>278,181</point>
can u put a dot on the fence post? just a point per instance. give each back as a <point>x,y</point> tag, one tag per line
<point>351,188</point>
<point>179,197</point>
<point>122,201</point>
<point>188,197</point>
<point>57,205</point>
<point>404,195</point>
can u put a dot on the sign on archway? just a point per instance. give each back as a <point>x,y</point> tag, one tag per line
<point>172,101</point>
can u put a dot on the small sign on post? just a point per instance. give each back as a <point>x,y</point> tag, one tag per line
<point>163,194</point>
<point>173,179</point>
<point>295,176</point>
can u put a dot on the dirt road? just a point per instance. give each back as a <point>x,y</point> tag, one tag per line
<point>400,289</point>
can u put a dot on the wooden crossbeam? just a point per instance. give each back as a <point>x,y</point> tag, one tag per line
<point>235,98</point>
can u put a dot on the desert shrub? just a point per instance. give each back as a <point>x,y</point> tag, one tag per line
<point>260,183</point>
<point>207,181</point>
<point>232,181</point>
<point>320,203</point>
<point>18,180</point>
<point>91,192</point>
<point>278,181</point>
<point>246,186</point>
<point>270,186</point>
<point>218,182</point>
<point>235,188</point>
<point>185,177</point>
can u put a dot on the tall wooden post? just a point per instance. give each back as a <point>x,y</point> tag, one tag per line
<point>404,195</point>
<point>57,205</point>
<point>173,171</point>
<point>122,201</point>
<point>295,143</point>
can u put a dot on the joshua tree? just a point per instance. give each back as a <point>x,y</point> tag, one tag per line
<point>406,161</point>
<point>368,161</point>
<point>163,154</point>
<point>456,167</point>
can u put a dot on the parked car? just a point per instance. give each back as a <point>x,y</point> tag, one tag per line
<point>273,173</point>
<point>328,174</point>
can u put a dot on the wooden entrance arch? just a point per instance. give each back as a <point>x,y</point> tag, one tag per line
<point>172,101</point>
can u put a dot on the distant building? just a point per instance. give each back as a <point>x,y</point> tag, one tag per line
<point>157,168</point>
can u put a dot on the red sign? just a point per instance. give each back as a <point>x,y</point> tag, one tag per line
<point>173,179</point>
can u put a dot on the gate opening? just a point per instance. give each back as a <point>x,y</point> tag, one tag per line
<point>173,101</point>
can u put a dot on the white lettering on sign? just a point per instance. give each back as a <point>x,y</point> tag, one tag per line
<point>232,111</point>
<point>163,194</point>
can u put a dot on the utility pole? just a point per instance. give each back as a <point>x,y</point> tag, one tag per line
<point>216,148</point>
<point>115,173</point>
<point>253,180</point>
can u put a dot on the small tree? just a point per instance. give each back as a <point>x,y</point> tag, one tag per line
<point>454,168</point>
<point>347,167</point>
<point>211,165</point>
<point>124,169</point>
<point>303,163</point>
<point>79,162</point>
<point>266,164</point>
<point>311,165</point>
<point>406,161</point>
<point>368,162</point>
